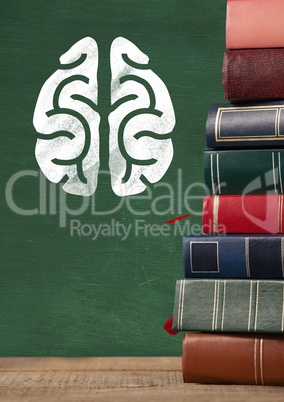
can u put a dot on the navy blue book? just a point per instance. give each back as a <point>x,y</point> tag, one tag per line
<point>234,256</point>
<point>245,125</point>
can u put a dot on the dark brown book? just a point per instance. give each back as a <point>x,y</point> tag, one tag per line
<point>253,74</point>
<point>245,359</point>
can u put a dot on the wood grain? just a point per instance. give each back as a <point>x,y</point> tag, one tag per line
<point>91,364</point>
<point>115,379</point>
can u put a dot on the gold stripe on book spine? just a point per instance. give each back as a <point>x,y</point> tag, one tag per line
<point>215,213</point>
<point>258,361</point>
<point>261,361</point>
<point>280,212</point>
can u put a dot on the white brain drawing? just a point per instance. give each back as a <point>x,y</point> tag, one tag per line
<point>141,120</point>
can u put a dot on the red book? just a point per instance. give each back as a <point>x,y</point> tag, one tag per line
<point>244,359</point>
<point>254,24</point>
<point>253,74</point>
<point>243,214</point>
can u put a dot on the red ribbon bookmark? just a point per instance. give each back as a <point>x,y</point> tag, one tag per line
<point>177,219</point>
<point>168,326</point>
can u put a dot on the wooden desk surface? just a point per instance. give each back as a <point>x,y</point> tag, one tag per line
<point>114,379</point>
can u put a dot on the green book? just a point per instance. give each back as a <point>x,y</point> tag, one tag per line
<point>244,171</point>
<point>229,305</point>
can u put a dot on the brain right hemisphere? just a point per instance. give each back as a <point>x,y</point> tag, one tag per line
<point>141,120</point>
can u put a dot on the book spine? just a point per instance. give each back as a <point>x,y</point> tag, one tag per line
<point>244,359</point>
<point>243,214</point>
<point>229,305</point>
<point>229,256</point>
<point>248,20</point>
<point>254,171</point>
<point>253,74</point>
<point>248,125</point>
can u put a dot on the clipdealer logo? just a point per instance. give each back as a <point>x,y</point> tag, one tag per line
<point>139,227</point>
<point>161,200</point>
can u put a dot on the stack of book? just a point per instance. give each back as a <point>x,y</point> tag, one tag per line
<point>232,300</point>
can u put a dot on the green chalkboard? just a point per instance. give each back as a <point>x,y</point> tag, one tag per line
<point>95,275</point>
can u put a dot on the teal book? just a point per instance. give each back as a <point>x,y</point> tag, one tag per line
<point>244,171</point>
<point>229,305</point>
